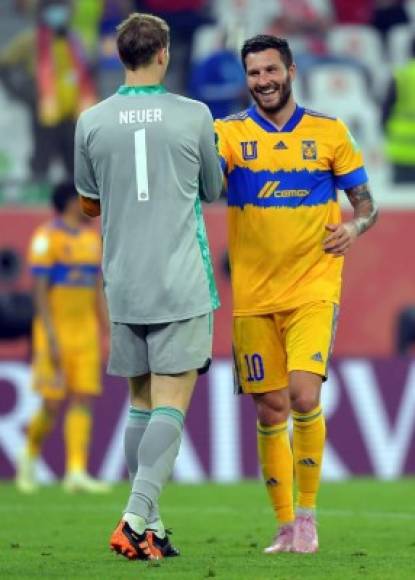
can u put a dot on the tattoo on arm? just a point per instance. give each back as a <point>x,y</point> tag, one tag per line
<point>365,210</point>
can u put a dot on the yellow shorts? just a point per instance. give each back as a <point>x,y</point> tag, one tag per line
<point>268,347</point>
<point>81,374</point>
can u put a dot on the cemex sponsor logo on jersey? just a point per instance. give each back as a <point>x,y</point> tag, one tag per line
<point>140,116</point>
<point>270,189</point>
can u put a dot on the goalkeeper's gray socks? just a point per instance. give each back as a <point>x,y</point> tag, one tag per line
<point>137,422</point>
<point>157,453</point>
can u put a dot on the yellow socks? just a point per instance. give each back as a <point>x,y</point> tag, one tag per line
<point>276,459</point>
<point>77,435</point>
<point>40,426</point>
<point>308,444</point>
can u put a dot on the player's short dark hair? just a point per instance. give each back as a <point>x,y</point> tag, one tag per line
<point>62,194</point>
<point>264,42</point>
<point>140,37</point>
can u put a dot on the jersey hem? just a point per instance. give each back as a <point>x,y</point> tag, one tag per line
<point>163,320</point>
<point>280,307</point>
<point>85,194</point>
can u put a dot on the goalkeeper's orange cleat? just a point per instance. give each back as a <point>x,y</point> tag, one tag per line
<point>128,543</point>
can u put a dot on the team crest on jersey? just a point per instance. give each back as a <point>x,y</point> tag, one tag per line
<point>309,150</point>
<point>249,150</point>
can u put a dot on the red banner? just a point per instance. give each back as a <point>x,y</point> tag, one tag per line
<point>379,278</point>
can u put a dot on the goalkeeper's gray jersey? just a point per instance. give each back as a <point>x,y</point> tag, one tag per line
<point>148,156</point>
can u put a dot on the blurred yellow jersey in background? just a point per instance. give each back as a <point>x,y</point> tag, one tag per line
<point>70,259</point>
<point>282,191</point>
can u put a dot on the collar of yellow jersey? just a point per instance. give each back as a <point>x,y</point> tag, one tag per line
<point>132,90</point>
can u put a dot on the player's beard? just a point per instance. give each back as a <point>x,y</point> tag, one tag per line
<point>285,90</point>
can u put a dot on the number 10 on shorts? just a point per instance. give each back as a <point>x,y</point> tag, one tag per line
<point>254,367</point>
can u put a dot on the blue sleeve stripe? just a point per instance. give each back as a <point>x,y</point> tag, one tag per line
<point>223,164</point>
<point>69,274</point>
<point>348,180</point>
<point>40,270</point>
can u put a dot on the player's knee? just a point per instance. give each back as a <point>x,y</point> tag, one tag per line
<point>80,400</point>
<point>271,410</point>
<point>52,406</point>
<point>303,402</point>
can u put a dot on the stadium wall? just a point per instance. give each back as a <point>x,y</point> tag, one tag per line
<point>369,398</point>
<point>379,278</point>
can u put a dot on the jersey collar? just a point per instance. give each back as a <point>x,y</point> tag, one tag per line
<point>141,90</point>
<point>59,224</point>
<point>289,126</point>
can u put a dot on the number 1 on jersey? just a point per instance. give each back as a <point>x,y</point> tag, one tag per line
<point>141,174</point>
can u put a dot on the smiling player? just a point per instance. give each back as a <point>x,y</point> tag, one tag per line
<point>283,165</point>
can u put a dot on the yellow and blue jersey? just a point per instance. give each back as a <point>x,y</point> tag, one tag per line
<point>282,192</point>
<point>70,259</point>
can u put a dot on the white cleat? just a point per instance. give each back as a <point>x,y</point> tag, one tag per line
<point>305,534</point>
<point>26,474</point>
<point>283,541</point>
<point>81,481</point>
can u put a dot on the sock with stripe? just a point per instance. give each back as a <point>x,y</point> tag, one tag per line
<point>157,453</point>
<point>308,444</point>
<point>137,423</point>
<point>77,431</point>
<point>276,460</point>
<point>39,428</point>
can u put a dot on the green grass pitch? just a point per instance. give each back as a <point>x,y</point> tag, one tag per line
<point>367,530</point>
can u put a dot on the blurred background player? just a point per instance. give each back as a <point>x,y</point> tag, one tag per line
<point>65,256</point>
<point>158,274</point>
<point>283,164</point>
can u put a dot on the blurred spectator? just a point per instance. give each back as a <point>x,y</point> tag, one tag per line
<point>219,81</point>
<point>388,13</point>
<point>110,71</point>
<point>46,67</point>
<point>244,18</point>
<point>399,121</point>
<point>183,17</point>
<point>348,12</point>
<point>304,22</point>
<point>86,16</point>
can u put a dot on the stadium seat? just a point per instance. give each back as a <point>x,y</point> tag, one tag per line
<point>207,39</point>
<point>399,43</point>
<point>333,84</point>
<point>250,17</point>
<point>343,92</point>
<point>364,44</point>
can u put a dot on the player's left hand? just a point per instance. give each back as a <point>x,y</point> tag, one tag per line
<point>340,238</point>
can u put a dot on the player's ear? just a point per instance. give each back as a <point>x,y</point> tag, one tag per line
<point>163,56</point>
<point>292,71</point>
